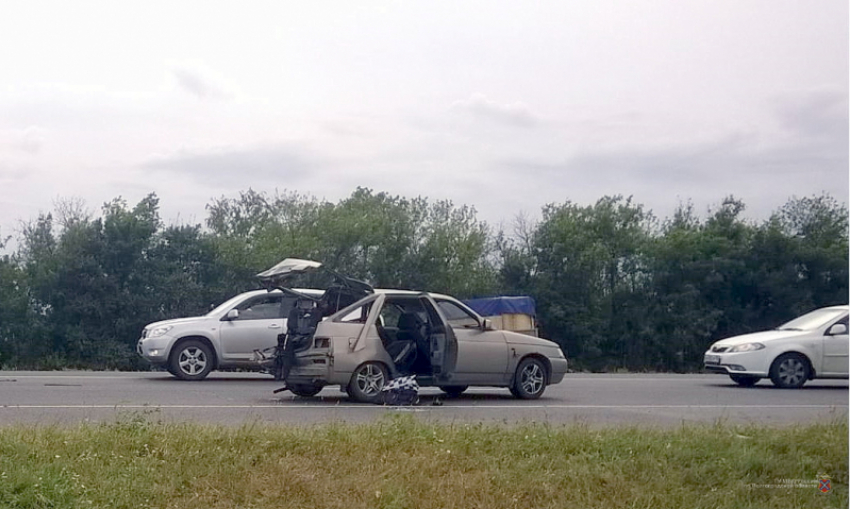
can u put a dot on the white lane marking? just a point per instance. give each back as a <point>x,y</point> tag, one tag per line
<point>379,407</point>
<point>242,377</point>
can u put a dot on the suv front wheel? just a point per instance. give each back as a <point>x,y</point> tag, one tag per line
<point>191,360</point>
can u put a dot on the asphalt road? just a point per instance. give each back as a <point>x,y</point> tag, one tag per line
<point>69,397</point>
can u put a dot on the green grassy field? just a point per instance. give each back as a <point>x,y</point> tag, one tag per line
<point>401,462</point>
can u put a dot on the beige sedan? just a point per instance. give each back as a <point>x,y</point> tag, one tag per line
<point>391,333</point>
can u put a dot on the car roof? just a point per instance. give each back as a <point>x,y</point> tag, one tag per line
<point>384,291</point>
<point>306,291</point>
<point>393,291</point>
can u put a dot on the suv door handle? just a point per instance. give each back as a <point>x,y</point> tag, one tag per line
<point>274,326</point>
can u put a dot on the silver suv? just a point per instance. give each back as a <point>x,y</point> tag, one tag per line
<point>224,338</point>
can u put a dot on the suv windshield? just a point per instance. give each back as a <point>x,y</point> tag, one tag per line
<point>814,320</point>
<point>226,305</point>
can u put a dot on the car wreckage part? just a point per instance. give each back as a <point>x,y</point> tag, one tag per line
<point>403,390</point>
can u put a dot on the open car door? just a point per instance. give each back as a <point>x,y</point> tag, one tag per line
<point>442,340</point>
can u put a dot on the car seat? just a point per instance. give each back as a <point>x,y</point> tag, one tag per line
<point>403,349</point>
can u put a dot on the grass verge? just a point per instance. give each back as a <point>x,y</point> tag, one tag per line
<point>401,462</point>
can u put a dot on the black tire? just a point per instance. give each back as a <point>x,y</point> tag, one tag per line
<point>744,380</point>
<point>530,379</point>
<point>367,381</point>
<point>191,360</point>
<point>454,391</point>
<point>305,391</point>
<point>790,371</point>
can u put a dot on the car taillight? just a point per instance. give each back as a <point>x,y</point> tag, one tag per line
<point>322,342</point>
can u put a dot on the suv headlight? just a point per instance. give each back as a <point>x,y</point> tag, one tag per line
<point>746,347</point>
<point>159,331</point>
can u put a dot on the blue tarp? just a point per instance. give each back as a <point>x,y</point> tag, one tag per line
<point>493,306</point>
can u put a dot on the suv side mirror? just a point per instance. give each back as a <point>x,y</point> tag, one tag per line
<point>233,314</point>
<point>486,324</point>
<point>838,328</point>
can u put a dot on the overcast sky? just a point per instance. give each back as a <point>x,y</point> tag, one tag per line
<point>505,106</point>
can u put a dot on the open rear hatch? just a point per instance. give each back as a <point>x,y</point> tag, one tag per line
<point>339,292</point>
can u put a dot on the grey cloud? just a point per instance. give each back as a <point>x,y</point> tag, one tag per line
<point>9,172</point>
<point>693,164</point>
<point>705,172</point>
<point>818,114</point>
<point>198,83</point>
<point>241,167</point>
<point>515,114</point>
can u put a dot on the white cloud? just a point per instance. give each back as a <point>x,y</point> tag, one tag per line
<point>572,100</point>
<point>28,140</point>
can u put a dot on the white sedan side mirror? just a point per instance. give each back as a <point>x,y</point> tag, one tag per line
<point>838,328</point>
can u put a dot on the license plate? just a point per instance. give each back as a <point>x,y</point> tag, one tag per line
<point>712,359</point>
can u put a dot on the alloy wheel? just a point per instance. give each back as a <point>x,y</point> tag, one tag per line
<point>532,378</point>
<point>370,380</point>
<point>192,360</point>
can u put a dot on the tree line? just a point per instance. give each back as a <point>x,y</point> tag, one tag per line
<point>615,286</point>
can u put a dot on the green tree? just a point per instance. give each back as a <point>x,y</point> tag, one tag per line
<point>590,276</point>
<point>20,325</point>
<point>698,283</point>
<point>386,240</point>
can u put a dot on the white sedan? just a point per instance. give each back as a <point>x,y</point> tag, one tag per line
<point>814,345</point>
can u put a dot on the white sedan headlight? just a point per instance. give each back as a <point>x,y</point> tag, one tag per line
<point>746,347</point>
<point>159,331</point>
